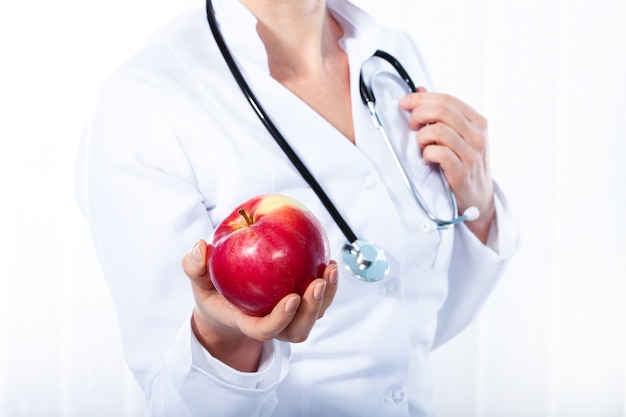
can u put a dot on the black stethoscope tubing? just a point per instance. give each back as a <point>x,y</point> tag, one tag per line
<point>273,130</point>
<point>367,95</point>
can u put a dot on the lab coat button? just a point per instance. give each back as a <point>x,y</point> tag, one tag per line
<point>371,182</point>
<point>428,226</point>
<point>390,288</point>
<point>398,395</point>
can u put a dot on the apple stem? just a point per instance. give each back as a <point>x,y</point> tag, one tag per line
<point>245,216</point>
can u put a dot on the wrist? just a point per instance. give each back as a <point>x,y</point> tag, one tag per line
<point>481,226</point>
<point>229,346</point>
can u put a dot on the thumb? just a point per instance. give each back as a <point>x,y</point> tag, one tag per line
<point>195,265</point>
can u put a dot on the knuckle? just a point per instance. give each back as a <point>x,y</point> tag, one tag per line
<point>445,98</point>
<point>444,155</point>
<point>438,130</point>
<point>440,112</point>
<point>479,143</point>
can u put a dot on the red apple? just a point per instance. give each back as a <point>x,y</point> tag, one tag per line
<point>268,247</point>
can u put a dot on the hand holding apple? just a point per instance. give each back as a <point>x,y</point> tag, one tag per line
<point>268,247</point>
<point>236,338</point>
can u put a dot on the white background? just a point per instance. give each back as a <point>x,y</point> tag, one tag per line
<point>549,75</point>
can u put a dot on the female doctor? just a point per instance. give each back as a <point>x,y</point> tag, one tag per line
<point>174,146</point>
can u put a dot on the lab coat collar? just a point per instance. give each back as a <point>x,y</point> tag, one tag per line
<point>238,26</point>
<point>360,28</point>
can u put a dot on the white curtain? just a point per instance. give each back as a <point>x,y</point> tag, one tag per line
<point>549,75</point>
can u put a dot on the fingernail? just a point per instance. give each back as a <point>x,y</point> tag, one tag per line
<point>333,278</point>
<point>318,292</point>
<point>195,252</point>
<point>292,305</point>
<point>404,101</point>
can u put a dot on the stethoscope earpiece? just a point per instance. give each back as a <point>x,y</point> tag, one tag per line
<point>471,214</point>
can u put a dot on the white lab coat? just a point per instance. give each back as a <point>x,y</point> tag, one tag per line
<point>173,147</point>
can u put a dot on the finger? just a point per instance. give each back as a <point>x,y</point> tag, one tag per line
<point>436,116</point>
<point>331,275</point>
<point>442,135</point>
<point>195,263</point>
<point>450,164</point>
<point>293,317</point>
<point>437,113</point>
<point>270,326</point>
<point>307,314</point>
<point>413,100</point>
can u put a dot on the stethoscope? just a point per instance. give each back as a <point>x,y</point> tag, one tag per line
<point>365,260</point>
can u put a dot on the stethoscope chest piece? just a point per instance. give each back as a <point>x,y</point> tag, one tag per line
<point>365,260</point>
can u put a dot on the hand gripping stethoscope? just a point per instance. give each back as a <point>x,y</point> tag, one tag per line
<point>365,260</point>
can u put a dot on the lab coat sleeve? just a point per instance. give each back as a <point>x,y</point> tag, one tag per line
<point>138,193</point>
<point>475,270</point>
